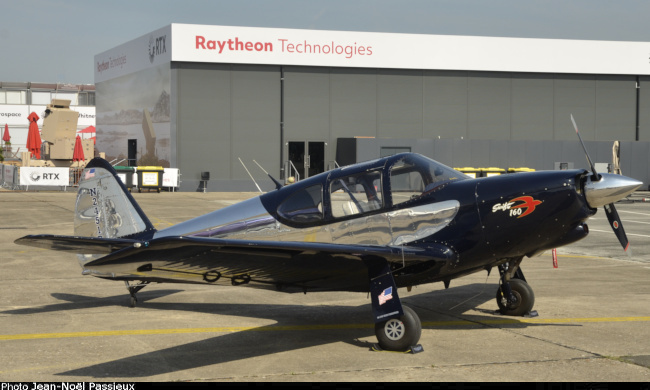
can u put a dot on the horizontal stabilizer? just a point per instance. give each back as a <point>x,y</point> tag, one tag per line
<point>80,245</point>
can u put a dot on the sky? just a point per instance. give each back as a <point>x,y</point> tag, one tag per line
<point>56,40</point>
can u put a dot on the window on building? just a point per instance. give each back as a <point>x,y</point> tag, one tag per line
<point>15,97</point>
<point>41,97</point>
<point>86,98</point>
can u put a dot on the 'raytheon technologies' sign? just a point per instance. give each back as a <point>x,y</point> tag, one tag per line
<point>273,46</point>
<point>284,46</point>
<point>199,43</point>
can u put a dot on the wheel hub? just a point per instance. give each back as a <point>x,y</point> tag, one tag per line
<point>394,329</point>
<point>514,303</point>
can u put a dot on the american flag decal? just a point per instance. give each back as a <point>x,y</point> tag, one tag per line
<point>90,173</point>
<point>386,295</point>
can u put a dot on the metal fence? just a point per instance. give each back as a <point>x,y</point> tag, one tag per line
<point>75,176</point>
<point>10,177</point>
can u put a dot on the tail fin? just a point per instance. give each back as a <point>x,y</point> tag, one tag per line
<point>107,218</point>
<point>105,208</point>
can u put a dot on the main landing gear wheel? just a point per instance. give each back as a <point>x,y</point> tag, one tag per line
<point>399,334</point>
<point>522,300</point>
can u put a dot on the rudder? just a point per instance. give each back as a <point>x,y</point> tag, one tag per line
<point>105,208</point>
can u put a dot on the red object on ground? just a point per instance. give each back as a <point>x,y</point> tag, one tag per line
<point>34,137</point>
<point>78,154</point>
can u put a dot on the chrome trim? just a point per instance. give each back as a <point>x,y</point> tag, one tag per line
<point>222,223</point>
<point>416,223</point>
<point>250,221</point>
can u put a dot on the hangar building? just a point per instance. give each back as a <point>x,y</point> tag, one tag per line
<point>201,97</point>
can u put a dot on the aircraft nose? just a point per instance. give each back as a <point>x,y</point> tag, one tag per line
<point>609,189</point>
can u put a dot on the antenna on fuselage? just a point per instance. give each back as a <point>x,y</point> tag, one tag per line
<point>278,185</point>
<point>251,176</point>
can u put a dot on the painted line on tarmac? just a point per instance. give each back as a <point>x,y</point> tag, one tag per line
<point>609,232</point>
<point>626,221</point>
<point>633,212</point>
<point>135,332</point>
<point>231,329</point>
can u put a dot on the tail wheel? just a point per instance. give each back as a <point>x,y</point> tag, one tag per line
<point>399,334</point>
<point>523,301</point>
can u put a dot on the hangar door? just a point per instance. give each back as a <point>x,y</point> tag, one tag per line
<point>307,158</point>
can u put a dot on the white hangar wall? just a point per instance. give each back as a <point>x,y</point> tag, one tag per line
<point>245,104</point>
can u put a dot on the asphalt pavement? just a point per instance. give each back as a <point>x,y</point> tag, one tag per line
<point>57,325</point>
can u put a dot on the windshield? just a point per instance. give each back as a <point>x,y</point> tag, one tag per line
<point>304,206</point>
<point>415,175</point>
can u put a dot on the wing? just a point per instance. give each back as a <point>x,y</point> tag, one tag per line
<point>291,266</point>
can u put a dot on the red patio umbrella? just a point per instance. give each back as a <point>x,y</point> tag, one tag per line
<point>34,137</point>
<point>78,154</point>
<point>88,130</point>
<point>6,137</point>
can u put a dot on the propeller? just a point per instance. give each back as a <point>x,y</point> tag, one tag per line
<point>594,174</point>
<point>617,226</point>
<point>604,190</point>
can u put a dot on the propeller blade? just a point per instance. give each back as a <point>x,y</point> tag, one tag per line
<point>617,225</point>
<point>593,167</point>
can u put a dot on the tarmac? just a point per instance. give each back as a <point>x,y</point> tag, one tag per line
<point>59,326</point>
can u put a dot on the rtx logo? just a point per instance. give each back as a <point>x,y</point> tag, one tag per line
<point>157,46</point>
<point>50,176</point>
<point>34,176</point>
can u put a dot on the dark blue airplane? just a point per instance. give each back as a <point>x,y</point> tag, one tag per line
<point>374,227</point>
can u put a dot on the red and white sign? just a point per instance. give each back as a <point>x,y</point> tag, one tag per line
<point>274,46</point>
<point>200,43</point>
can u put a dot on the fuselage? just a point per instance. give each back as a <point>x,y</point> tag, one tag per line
<point>409,200</point>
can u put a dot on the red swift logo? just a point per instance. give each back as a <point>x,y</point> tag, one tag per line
<point>520,210</point>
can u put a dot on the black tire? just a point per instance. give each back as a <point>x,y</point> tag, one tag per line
<point>399,334</point>
<point>525,299</point>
